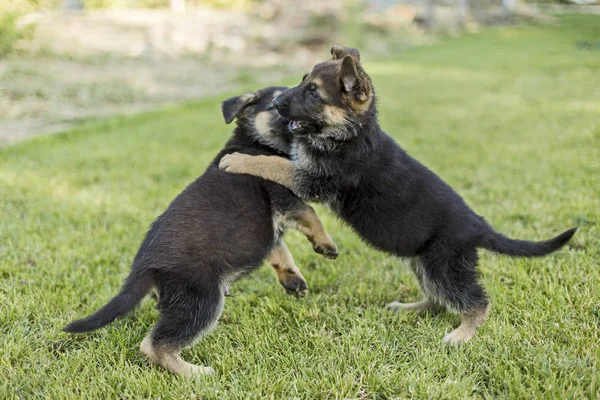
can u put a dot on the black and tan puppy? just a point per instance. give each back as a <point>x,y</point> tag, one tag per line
<point>220,228</point>
<point>342,157</point>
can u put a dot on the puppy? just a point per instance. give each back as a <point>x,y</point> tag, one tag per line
<point>343,158</point>
<point>220,228</point>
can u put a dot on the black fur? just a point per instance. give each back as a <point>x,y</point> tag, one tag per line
<point>390,199</point>
<point>220,228</point>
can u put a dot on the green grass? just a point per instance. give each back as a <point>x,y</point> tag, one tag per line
<point>509,117</point>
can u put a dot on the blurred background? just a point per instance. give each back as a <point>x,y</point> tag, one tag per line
<point>65,61</point>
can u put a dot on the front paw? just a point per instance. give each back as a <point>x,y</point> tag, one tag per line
<point>327,250</point>
<point>295,285</point>
<point>234,162</point>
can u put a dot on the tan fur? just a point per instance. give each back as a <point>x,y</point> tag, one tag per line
<point>310,225</point>
<point>320,88</point>
<point>318,82</point>
<point>365,97</point>
<point>273,168</point>
<point>262,121</point>
<point>284,266</point>
<point>334,116</point>
<point>469,324</point>
<point>246,97</point>
<point>323,94</point>
<point>170,360</point>
<point>361,105</point>
<point>339,52</point>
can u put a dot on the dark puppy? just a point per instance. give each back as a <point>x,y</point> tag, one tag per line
<point>343,158</point>
<point>218,229</point>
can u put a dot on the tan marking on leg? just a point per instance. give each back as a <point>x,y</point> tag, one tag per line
<point>469,324</point>
<point>170,360</point>
<point>309,223</point>
<point>420,306</point>
<point>288,273</point>
<point>273,168</point>
<point>262,123</point>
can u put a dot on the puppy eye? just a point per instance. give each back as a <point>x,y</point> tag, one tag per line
<point>314,94</point>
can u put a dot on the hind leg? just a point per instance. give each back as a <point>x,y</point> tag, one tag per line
<point>169,359</point>
<point>426,304</point>
<point>306,220</point>
<point>470,321</point>
<point>450,278</point>
<point>186,314</point>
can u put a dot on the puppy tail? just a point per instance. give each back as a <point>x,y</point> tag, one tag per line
<point>133,291</point>
<point>523,248</point>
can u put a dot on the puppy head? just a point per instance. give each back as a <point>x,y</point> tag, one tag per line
<point>334,96</point>
<point>257,117</point>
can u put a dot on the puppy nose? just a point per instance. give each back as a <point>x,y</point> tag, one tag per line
<point>279,104</point>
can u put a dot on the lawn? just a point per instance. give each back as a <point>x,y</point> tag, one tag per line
<point>509,117</point>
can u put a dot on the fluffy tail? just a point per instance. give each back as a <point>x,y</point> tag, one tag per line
<point>133,291</point>
<point>523,248</point>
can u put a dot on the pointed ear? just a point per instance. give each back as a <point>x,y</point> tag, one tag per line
<point>339,52</point>
<point>351,80</point>
<point>232,107</point>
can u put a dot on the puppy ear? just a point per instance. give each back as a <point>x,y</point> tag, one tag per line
<point>232,107</point>
<point>338,52</point>
<point>351,80</point>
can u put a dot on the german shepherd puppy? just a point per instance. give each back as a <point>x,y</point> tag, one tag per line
<point>343,158</point>
<point>220,228</point>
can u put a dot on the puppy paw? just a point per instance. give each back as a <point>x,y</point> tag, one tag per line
<point>234,162</point>
<point>197,370</point>
<point>418,307</point>
<point>327,250</point>
<point>458,337</point>
<point>294,284</point>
